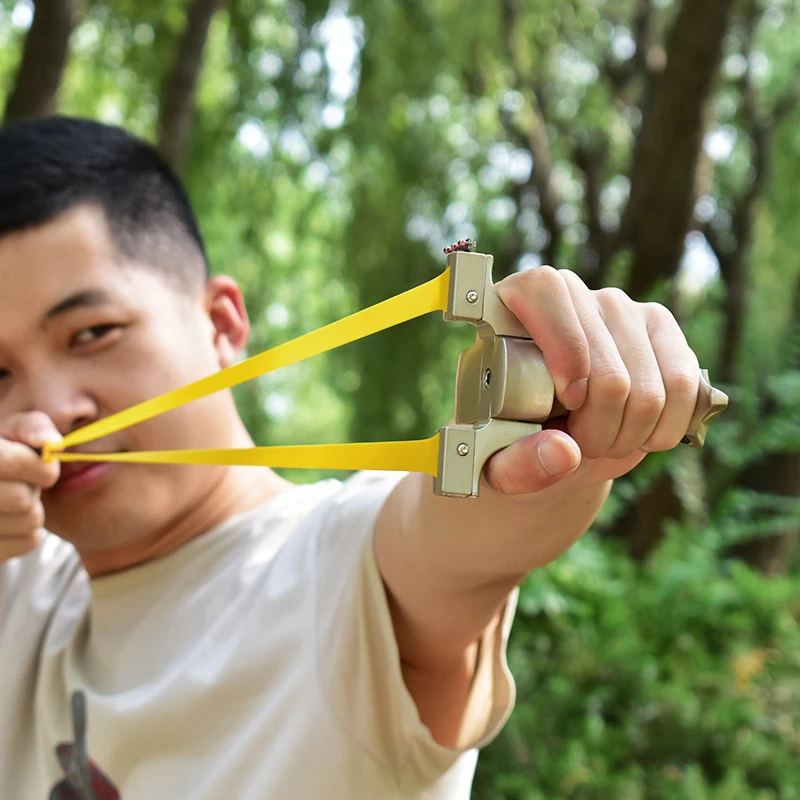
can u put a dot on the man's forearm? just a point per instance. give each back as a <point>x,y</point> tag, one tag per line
<point>453,562</point>
<point>631,384</point>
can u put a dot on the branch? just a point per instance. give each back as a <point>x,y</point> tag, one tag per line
<point>176,120</point>
<point>714,242</point>
<point>591,160</point>
<point>620,76</point>
<point>733,264</point>
<point>534,135</point>
<point>760,126</point>
<point>542,179</point>
<point>35,92</point>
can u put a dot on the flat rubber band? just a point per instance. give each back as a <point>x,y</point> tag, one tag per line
<point>414,456</point>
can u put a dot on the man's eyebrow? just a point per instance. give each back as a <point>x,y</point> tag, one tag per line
<point>81,299</point>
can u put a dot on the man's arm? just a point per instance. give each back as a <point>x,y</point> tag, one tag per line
<point>631,381</point>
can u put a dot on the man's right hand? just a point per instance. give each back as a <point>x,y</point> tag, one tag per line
<point>23,475</point>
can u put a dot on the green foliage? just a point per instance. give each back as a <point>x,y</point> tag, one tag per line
<point>337,148</point>
<point>676,679</point>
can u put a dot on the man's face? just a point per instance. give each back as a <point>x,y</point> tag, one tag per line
<point>82,336</point>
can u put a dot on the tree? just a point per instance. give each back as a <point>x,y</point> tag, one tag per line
<point>44,56</point>
<point>332,150</point>
<point>178,90</point>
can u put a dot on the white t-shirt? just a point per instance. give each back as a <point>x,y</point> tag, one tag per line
<point>256,662</point>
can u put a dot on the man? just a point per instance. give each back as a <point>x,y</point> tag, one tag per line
<point>224,632</point>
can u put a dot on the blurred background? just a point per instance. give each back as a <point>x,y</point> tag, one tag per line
<point>332,149</point>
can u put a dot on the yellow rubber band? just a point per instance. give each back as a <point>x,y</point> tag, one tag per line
<point>419,455</point>
<point>415,456</point>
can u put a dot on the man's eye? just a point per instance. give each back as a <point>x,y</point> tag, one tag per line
<point>92,334</point>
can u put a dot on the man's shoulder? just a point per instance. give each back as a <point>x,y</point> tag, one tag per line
<point>53,562</point>
<point>33,585</point>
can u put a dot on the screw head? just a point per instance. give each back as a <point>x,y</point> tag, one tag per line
<point>472,297</point>
<point>463,449</point>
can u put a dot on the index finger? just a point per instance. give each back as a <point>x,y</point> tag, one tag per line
<point>20,462</point>
<point>33,428</point>
<point>21,438</point>
<point>541,301</point>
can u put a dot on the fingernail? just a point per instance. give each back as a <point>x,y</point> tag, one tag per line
<point>575,394</point>
<point>557,457</point>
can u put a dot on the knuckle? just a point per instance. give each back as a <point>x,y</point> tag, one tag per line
<point>17,499</point>
<point>682,383</point>
<point>658,312</point>
<point>35,516</point>
<point>510,288</point>
<point>535,278</point>
<point>525,284</point>
<point>573,281</point>
<point>545,273</point>
<point>613,387</point>
<point>659,318</point>
<point>613,297</point>
<point>647,402</point>
<point>10,456</point>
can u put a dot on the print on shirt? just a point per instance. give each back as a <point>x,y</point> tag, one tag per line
<point>84,780</point>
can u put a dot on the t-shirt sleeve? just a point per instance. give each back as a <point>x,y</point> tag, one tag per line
<point>358,657</point>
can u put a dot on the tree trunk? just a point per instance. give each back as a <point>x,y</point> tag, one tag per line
<point>775,473</point>
<point>35,92</point>
<point>662,197</point>
<point>176,121</point>
<point>641,526</point>
<point>663,192</point>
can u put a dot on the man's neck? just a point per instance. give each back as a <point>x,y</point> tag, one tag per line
<point>239,489</point>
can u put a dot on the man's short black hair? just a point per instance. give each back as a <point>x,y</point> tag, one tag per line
<point>53,164</point>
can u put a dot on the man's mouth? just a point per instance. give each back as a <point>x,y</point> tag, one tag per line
<point>81,475</point>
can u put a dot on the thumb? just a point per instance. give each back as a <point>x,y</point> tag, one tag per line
<point>533,464</point>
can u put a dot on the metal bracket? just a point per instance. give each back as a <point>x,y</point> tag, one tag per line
<point>472,297</point>
<point>464,451</point>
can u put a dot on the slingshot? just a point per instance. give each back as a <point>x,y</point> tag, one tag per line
<point>503,390</point>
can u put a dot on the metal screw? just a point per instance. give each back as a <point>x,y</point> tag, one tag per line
<point>472,296</point>
<point>487,378</point>
<point>463,449</point>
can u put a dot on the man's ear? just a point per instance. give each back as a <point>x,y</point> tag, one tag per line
<point>225,307</point>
